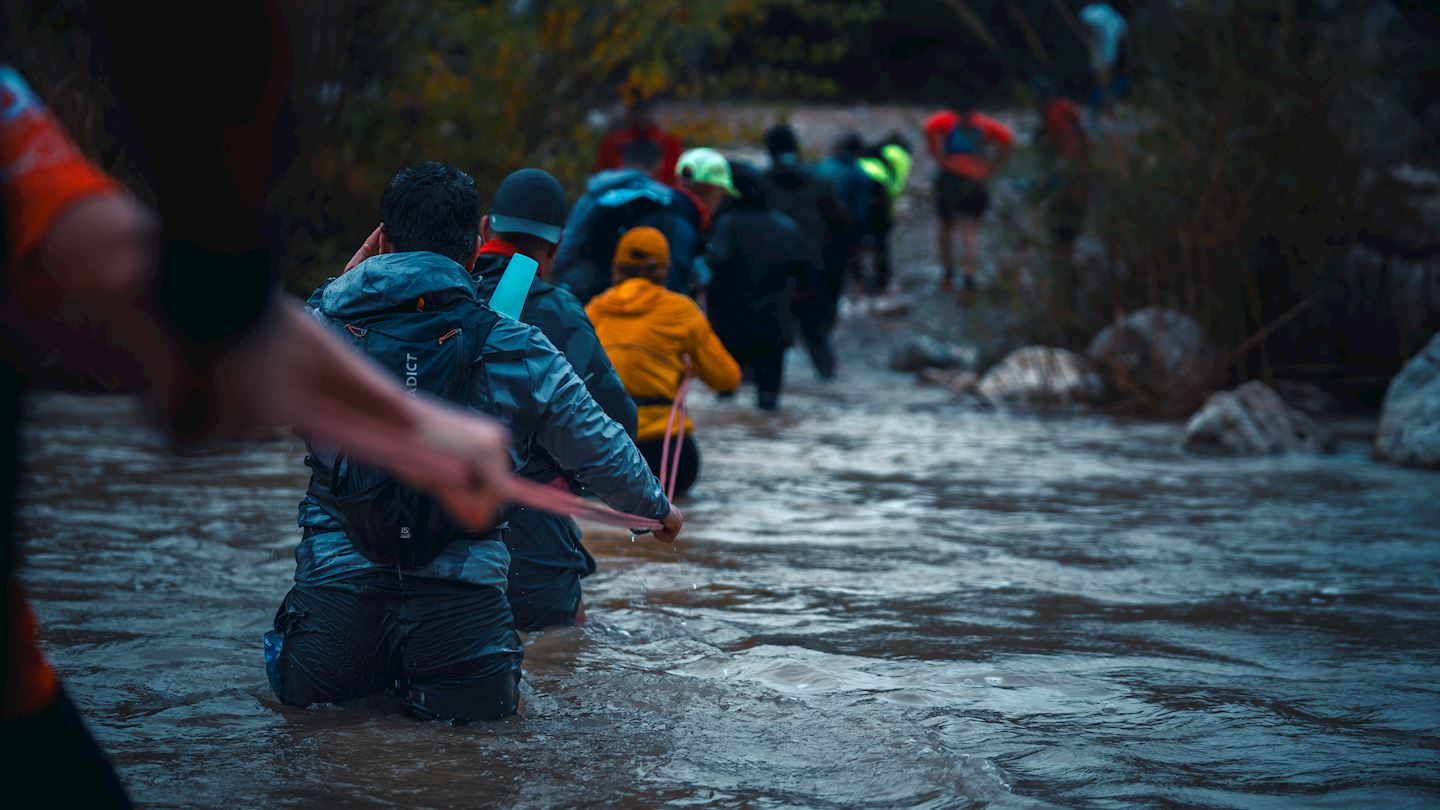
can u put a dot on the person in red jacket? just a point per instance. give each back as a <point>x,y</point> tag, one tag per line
<point>1065,148</point>
<point>967,145</point>
<point>639,125</point>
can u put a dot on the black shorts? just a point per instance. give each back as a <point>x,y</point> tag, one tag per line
<point>448,648</point>
<point>957,195</point>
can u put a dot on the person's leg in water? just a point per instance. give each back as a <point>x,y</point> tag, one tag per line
<point>947,187</point>
<point>334,642</point>
<point>969,229</point>
<point>689,469</point>
<point>461,654</point>
<point>769,367</point>
<point>547,561</point>
<point>884,222</point>
<point>947,253</point>
<point>813,319</point>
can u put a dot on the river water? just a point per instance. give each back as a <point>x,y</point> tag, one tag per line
<point>881,599</point>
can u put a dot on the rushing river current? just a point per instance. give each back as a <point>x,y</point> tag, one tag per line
<point>881,599</point>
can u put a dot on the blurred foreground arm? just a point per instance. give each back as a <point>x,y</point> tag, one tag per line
<point>78,243</point>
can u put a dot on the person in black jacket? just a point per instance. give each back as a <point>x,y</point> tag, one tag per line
<point>547,558</point>
<point>792,189</point>
<point>758,257</point>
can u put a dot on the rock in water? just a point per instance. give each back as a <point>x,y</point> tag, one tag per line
<point>1410,418</point>
<point>922,351</point>
<point>1253,420</point>
<point>1041,375</point>
<point>1160,358</point>
<point>1307,397</point>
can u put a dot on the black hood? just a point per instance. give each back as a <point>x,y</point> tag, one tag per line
<point>749,183</point>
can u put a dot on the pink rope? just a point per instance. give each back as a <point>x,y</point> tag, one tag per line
<point>550,499</point>
<point>670,468</point>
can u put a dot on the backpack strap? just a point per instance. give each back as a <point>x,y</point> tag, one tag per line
<point>514,286</point>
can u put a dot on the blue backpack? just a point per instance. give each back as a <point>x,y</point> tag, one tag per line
<point>388,521</point>
<point>965,139</point>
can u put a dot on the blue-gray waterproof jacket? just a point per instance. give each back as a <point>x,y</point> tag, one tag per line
<point>615,201</point>
<point>559,315</point>
<point>522,380</point>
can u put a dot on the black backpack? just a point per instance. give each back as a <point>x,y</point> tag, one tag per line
<point>388,521</point>
<point>607,222</point>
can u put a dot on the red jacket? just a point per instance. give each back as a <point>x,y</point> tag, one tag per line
<point>612,148</point>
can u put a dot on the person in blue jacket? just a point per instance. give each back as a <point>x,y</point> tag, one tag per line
<point>615,201</point>
<point>854,190</point>
<point>441,634</point>
<point>547,558</point>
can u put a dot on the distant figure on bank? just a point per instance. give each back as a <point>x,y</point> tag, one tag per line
<point>547,558</point>
<point>639,125</point>
<point>654,336</point>
<point>887,164</point>
<point>616,200</point>
<point>967,145</point>
<point>378,605</point>
<point>758,258</point>
<point>792,189</point>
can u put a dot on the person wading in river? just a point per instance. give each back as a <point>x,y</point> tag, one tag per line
<point>372,610</point>
<point>657,337</point>
<point>547,558</point>
<point>794,190</point>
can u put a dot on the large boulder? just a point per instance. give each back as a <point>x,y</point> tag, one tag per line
<point>1410,418</point>
<point>922,351</point>
<point>1042,376</point>
<point>1253,420</point>
<point>1159,360</point>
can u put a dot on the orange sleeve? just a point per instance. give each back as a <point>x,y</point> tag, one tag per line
<point>41,171</point>
<point>713,364</point>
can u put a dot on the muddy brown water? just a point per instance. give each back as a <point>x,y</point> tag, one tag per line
<point>881,599</point>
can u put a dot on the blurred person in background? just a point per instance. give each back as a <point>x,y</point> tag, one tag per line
<point>616,200</point>
<point>967,145</point>
<point>856,193</point>
<point>638,124</point>
<point>795,191</point>
<point>887,164</point>
<point>758,258</point>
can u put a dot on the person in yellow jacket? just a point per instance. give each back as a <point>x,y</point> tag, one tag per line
<point>653,337</point>
<point>888,165</point>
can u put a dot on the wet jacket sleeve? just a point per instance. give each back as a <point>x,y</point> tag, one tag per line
<point>554,412</point>
<point>712,363</point>
<point>581,346</point>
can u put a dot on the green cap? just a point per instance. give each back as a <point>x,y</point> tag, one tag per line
<point>706,166</point>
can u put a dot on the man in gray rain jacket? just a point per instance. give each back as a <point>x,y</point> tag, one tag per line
<point>547,558</point>
<point>439,634</point>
